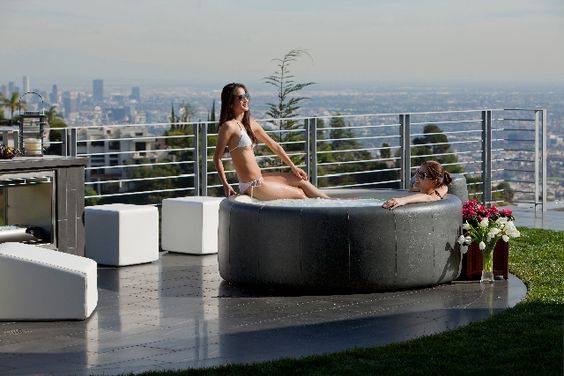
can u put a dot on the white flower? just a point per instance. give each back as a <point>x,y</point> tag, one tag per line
<point>464,249</point>
<point>494,231</point>
<point>482,246</point>
<point>505,238</point>
<point>484,223</point>
<point>501,220</point>
<point>466,226</point>
<point>512,231</point>
<point>461,240</point>
<point>468,240</point>
<point>510,225</point>
<point>489,238</point>
<point>517,234</point>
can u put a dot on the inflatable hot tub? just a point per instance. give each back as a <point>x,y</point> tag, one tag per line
<point>351,243</point>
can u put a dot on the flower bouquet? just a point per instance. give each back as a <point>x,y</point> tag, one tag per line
<point>485,226</point>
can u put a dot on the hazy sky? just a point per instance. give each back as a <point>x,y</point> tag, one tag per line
<point>183,41</point>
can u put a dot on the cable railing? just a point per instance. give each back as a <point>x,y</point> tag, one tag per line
<point>490,147</point>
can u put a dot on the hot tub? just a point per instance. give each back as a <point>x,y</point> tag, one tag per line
<point>351,243</point>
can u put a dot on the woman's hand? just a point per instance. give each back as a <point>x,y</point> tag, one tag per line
<point>393,203</point>
<point>229,191</point>
<point>299,173</point>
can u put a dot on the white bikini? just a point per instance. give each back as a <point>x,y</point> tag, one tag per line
<point>245,141</point>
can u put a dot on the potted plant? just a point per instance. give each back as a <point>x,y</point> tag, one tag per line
<point>485,226</point>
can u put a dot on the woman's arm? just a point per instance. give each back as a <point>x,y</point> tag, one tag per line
<point>277,149</point>
<point>415,198</point>
<point>225,133</point>
<point>409,199</point>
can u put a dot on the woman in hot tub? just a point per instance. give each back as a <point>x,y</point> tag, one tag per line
<point>239,133</point>
<point>431,184</point>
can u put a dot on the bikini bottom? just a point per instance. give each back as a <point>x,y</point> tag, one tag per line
<point>244,186</point>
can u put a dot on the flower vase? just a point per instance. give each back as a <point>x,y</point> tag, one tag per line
<point>487,264</point>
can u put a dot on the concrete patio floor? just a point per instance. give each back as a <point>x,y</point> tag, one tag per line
<point>177,313</point>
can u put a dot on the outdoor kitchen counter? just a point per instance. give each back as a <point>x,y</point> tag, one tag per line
<point>48,161</point>
<point>67,207</point>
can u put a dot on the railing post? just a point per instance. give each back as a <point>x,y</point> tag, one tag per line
<point>313,150</point>
<point>64,143</point>
<point>73,143</point>
<point>486,156</point>
<point>307,147</point>
<point>196,159</point>
<point>204,160</point>
<point>536,160</point>
<point>544,129</point>
<point>405,133</point>
<point>16,139</point>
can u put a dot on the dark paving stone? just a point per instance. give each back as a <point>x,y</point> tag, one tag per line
<point>178,313</point>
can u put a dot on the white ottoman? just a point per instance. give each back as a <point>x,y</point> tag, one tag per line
<point>190,224</point>
<point>122,234</point>
<point>41,284</point>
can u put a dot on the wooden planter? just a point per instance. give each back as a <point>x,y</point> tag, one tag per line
<point>472,262</point>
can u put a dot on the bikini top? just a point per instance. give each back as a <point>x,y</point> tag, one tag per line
<point>244,140</point>
<point>438,194</point>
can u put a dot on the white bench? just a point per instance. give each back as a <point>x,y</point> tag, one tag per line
<point>190,224</point>
<point>122,234</point>
<point>41,284</point>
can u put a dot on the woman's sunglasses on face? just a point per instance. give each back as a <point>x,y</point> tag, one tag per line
<point>421,175</point>
<point>246,96</point>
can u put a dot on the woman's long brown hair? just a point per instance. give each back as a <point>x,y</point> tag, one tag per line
<point>437,172</point>
<point>228,97</point>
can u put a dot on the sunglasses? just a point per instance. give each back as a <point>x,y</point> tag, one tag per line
<point>421,175</point>
<point>246,96</point>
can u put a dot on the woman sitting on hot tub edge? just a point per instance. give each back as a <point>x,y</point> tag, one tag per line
<point>239,133</point>
<point>431,183</point>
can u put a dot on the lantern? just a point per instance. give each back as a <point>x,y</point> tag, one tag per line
<point>32,125</point>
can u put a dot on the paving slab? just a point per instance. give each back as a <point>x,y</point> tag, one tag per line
<point>178,313</point>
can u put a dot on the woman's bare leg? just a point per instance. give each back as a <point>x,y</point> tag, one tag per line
<point>274,190</point>
<point>292,180</point>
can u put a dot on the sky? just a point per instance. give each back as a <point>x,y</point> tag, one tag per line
<point>183,42</point>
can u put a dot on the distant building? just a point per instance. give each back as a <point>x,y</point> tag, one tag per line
<point>98,90</point>
<point>11,87</point>
<point>135,93</point>
<point>54,96</point>
<point>120,99</point>
<point>110,152</point>
<point>69,103</point>
<point>4,90</point>
<point>25,85</point>
<point>118,114</point>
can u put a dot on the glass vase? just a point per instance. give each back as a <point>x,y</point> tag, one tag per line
<point>487,264</point>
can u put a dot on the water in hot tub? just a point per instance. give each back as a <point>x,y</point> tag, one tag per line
<point>315,202</point>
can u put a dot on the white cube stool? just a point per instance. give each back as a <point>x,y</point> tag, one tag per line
<point>122,234</point>
<point>190,224</point>
<point>42,284</point>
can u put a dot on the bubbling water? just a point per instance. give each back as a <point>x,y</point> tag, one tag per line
<point>315,202</point>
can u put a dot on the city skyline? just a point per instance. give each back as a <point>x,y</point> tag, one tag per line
<point>190,43</point>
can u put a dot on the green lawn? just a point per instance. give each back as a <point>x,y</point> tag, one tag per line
<point>525,340</point>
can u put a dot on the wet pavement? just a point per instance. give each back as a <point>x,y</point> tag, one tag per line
<point>177,313</point>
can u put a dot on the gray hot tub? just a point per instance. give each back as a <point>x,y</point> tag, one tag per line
<point>348,245</point>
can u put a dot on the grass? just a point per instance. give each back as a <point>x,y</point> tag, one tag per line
<point>524,340</point>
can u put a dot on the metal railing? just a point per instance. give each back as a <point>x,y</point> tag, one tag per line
<point>488,146</point>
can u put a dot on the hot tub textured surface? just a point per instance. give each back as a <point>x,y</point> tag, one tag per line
<point>340,248</point>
